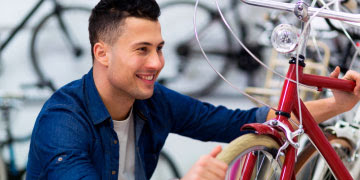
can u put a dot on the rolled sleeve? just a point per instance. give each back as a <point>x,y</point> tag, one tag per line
<point>60,143</point>
<point>261,114</point>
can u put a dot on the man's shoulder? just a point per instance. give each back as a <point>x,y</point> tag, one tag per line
<point>69,98</point>
<point>160,91</point>
<point>163,93</point>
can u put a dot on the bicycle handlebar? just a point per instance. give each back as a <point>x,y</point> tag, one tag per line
<point>328,82</point>
<point>342,16</point>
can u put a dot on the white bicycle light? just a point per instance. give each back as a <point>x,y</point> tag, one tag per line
<point>284,38</point>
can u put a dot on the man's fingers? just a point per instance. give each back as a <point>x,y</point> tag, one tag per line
<point>223,166</point>
<point>208,167</point>
<point>218,164</point>
<point>352,75</point>
<point>215,151</point>
<point>214,167</point>
<point>335,73</point>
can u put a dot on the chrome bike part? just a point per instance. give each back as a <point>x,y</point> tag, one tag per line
<point>286,130</point>
<point>285,38</point>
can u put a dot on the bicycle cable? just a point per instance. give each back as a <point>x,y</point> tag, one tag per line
<point>259,61</point>
<point>221,76</point>
<point>297,58</point>
<point>246,49</point>
<point>251,54</point>
<point>304,34</point>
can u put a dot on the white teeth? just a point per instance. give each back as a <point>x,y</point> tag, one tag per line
<point>149,78</point>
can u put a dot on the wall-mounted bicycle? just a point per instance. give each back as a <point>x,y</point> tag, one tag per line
<point>59,48</point>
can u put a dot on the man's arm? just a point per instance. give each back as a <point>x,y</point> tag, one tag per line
<point>59,148</point>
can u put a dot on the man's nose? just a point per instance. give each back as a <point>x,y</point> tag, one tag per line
<point>155,61</point>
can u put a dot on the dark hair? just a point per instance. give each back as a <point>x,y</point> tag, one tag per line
<point>108,15</point>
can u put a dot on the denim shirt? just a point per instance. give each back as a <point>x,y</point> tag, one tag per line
<point>73,137</point>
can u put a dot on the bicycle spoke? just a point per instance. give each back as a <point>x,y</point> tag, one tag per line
<point>258,169</point>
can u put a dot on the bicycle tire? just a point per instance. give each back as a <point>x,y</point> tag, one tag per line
<point>52,60</point>
<point>307,166</point>
<point>166,168</point>
<point>345,50</point>
<point>256,144</point>
<point>3,172</point>
<point>186,67</point>
<point>353,31</point>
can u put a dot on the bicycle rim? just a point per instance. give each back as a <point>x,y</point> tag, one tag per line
<point>312,166</point>
<point>186,69</point>
<point>55,58</point>
<point>263,147</point>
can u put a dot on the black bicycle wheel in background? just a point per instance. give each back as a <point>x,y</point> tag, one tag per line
<point>186,70</point>
<point>166,168</point>
<point>60,50</point>
<point>343,49</point>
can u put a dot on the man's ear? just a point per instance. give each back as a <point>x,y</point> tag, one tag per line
<point>100,53</point>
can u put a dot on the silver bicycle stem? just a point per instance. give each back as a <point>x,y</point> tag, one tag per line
<point>342,16</point>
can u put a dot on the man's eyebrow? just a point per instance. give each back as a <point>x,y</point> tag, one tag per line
<point>148,43</point>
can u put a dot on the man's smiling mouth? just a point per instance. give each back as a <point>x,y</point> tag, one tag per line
<point>146,77</point>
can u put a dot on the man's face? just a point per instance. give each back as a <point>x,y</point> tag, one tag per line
<point>136,59</point>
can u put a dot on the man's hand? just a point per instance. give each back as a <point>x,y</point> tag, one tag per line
<point>324,109</point>
<point>344,100</point>
<point>207,167</point>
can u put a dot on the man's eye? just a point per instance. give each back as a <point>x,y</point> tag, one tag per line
<point>160,48</point>
<point>142,49</point>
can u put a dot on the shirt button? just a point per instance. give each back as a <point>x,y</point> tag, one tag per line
<point>115,141</point>
<point>113,172</point>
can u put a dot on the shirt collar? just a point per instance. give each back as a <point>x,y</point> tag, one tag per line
<point>96,108</point>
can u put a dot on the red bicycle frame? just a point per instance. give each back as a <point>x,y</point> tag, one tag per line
<point>289,103</point>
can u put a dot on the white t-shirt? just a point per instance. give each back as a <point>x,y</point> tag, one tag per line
<point>125,132</point>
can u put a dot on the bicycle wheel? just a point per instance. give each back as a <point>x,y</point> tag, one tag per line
<point>344,50</point>
<point>3,174</point>
<point>186,69</point>
<point>60,49</point>
<point>311,165</point>
<point>166,168</point>
<point>263,147</point>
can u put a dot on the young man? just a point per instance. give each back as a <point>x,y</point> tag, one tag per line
<point>112,123</point>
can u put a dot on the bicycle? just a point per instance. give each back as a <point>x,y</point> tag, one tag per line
<point>70,43</point>
<point>272,145</point>
<point>344,136</point>
<point>184,59</point>
<point>9,168</point>
<point>345,51</point>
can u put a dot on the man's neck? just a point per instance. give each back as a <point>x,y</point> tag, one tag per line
<point>117,103</point>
